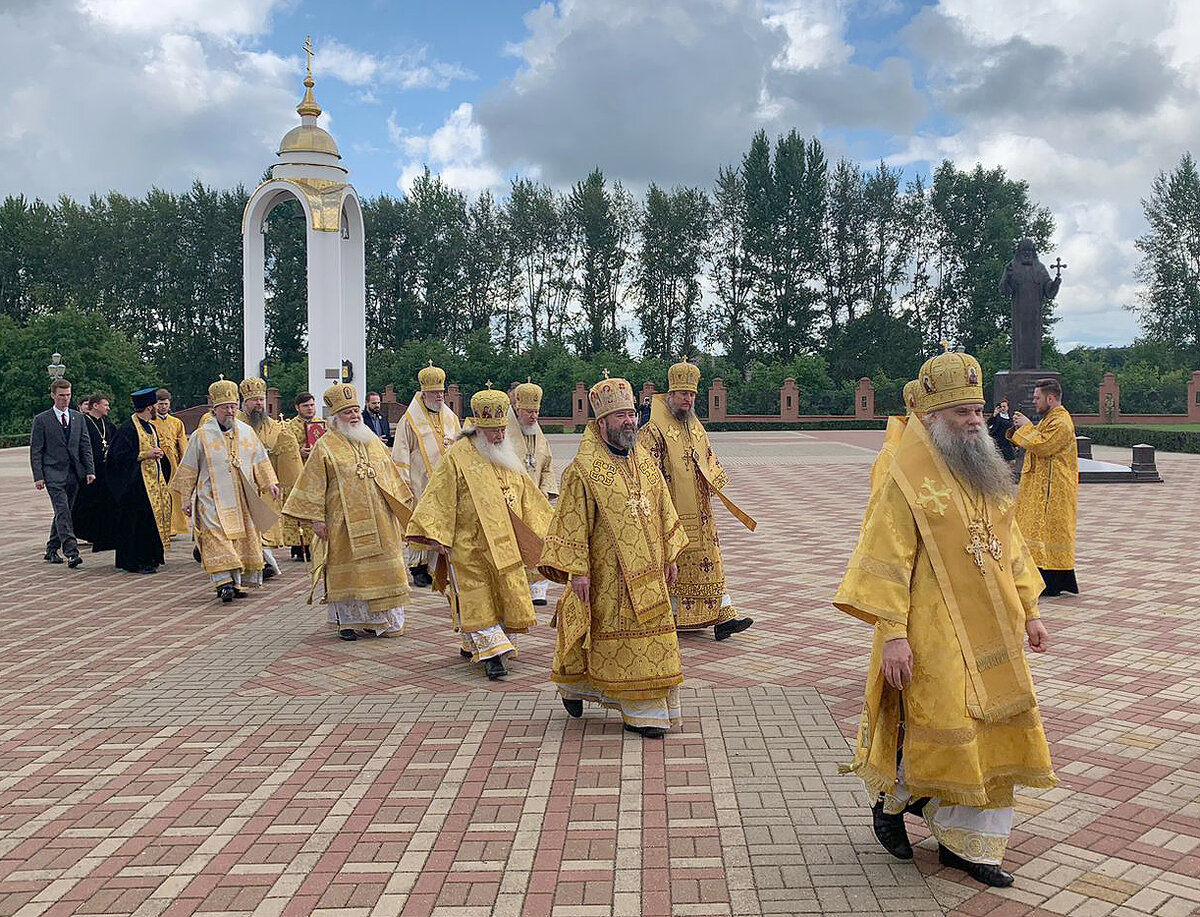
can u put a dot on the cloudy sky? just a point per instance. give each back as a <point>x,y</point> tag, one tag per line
<point>1085,99</point>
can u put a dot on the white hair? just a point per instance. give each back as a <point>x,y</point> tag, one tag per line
<point>501,453</point>
<point>359,432</point>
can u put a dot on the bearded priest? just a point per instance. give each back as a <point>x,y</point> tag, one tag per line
<point>228,471</point>
<point>950,722</point>
<point>483,514</point>
<point>423,436</point>
<point>679,443</point>
<point>614,541</point>
<point>352,495</point>
<point>529,442</point>
<point>284,453</point>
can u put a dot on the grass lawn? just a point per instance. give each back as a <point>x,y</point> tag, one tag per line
<point>1168,427</point>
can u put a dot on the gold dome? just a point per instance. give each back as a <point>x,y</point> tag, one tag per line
<point>308,138</point>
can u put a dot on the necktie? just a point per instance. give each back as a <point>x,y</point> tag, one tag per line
<point>64,422</point>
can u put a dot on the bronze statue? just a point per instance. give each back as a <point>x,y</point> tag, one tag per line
<point>1027,282</point>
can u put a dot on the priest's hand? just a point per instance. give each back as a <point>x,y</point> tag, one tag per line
<point>898,663</point>
<point>305,452</point>
<point>156,452</point>
<point>582,586</point>
<point>1019,420</point>
<point>40,485</point>
<point>321,530</point>
<point>672,572</point>
<point>1039,639</point>
<point>89,479</point>
<point>275,491</point>
<point>187,508</point>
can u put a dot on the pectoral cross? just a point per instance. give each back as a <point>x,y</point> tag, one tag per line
<point>976,547</point>
<point>983,541</point>
<point>638,503</point>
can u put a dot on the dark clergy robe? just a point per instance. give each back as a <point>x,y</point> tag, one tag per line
<point>94,511</point>
<point>138,543</point>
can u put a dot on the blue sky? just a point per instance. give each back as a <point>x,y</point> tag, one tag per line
<point>1080,98</point>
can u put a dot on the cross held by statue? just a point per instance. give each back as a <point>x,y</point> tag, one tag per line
<point>1058,266</point>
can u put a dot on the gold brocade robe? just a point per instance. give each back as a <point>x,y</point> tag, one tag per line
<point>466,507</point>
<point>971,725</point>
<point>174,440</point>
<point>680,448</point>
<point>1048,498</point>
<point>615,523</point>
<point>158,491</point>
<point>535,455</point>
<point>422,438</point>
<point>284,453</point>
<point>227,472</point>
<point>882,466</point>
<point>355,490</point>
<point>294,533</point>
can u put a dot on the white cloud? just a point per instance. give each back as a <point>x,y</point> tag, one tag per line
<point>410,70</point>
<point>212,17</point>
<point>455,151</point>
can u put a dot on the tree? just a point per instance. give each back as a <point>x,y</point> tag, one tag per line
<point>538,250</point>
<point>730,271</point>
<point>1170,305</point>
<point>674,229</point>
<point>602,222</point>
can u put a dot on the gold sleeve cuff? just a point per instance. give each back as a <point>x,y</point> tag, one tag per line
<point>890,630</point>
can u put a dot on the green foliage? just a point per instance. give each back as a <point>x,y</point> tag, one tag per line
<point>98,359</point>
<point>1127,435</point>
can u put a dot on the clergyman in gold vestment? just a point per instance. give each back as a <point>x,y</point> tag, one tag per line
<point>614,540</point>
<point>679,443</point>
<point>484,514</point>
<point>173,439</point>
<point>226,468</point>
<point>943,574</point>
<point>306,428</point>
<point>533,451</point>
<point>1048,499</point>
<point>355,502</point>
<point>284,453</point>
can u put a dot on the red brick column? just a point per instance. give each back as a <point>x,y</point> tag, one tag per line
<point>454,399</point>
<point>864,399</point>
<point>718,401</point>
<point>579,405</point>
<point>789,401</point>
<point>1110,399</point>
<point>1193,397</point>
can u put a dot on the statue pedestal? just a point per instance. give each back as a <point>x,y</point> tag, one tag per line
<point>1017,386</point>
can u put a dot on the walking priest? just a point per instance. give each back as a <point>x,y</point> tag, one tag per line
<point>352,496</point>
<point>950,723</point>
<point>483,512</point>
<point>284,453</point>
<point>679,442</point>
<point>138,476</point>
<point>306,428</point>
<point>614,540</point>
<point>227,469</point>
<point>533,451</point>
<point>174,441</point>
<point>423,436</point>
<point>1049,494</point>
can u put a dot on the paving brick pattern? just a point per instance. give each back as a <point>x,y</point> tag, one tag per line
<point>161,753</point>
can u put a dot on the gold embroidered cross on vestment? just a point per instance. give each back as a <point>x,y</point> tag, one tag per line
<point>932,497</point>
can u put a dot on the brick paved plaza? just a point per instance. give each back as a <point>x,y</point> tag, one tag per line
<point>161,753</point>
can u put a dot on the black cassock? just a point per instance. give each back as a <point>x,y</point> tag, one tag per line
<point>137,540</point>
<point>94,511</point>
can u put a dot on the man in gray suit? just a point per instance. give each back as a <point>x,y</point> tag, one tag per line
<point>60,451</point>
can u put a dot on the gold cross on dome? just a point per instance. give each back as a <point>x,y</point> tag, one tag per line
<point>309,54</point>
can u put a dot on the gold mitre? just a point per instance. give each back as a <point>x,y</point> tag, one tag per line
<point>341,396</point>
<point>490,408</point>
<point>610,395</point>
<point>223,391</point>
<point>432,378</point>
<point>254,388</point>
<point>529,396</point>
<point>911,391</point>
<point>683,377</point>
<point>948,380</point>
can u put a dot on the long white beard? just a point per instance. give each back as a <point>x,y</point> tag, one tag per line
<point>528,429</point>
<point>973,458</point>
<point>501,453</point>
<point>359,433</point>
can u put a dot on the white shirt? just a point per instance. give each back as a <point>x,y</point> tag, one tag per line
<point>62,414</point>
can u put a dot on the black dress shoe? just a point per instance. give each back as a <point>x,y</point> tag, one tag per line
<point>421,577</point>
<point>539,601</point>
<point>196,555</point>
<point>466,654</point>
<point>225,593</point>
<point>574,706</point>
<point>52,557</point>
<point>347,633</point>
<point>240,593</point>
<point>74,561</point>
<point>980,872</point>
<point>890,831</point>
<point>917,807</point>
<point>146,569</point>
<point>297,552</point>
<point>494,668</point>
<point>647,732</point>
<point>729,628</point>
<point>268,572</point>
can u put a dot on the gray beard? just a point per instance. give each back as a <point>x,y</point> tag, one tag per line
<point>256,418</point>
<point>622,439</point>
<point>530,430</point>
<point>359,433</point>
<point>225,425</point>
<point>683,415</point>
<point>501,453</point>
<point>973,458</point>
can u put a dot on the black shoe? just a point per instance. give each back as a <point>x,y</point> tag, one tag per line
<point>196,555</point>
<point>421,577</point>
<point>539,601</point>
<point>240,593</point>
<point>729,628</point>
<point>268,572</point>
<point>52,557</point>
<point>574,706</point>
<point>917,807</point>
<point>466,654</point>
<point>225,593</point>
<point>74,561</point>
<point>347,633</point>
<point>647,732</point>
<point>1047,594</point>
<point>890,831</point>
<point>297,552</point>
<point>980,872</point>
<point>146,569</point>
<point>494,668</point>
<point>367,634</point>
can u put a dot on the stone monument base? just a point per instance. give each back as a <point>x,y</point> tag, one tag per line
<point>1017,386</point>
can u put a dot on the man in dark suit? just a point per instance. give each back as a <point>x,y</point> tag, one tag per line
<point>374,418</point>
<point>60,451</point>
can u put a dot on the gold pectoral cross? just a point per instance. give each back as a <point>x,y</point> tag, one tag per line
<point>983,541</point>
<point>638,503</point>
